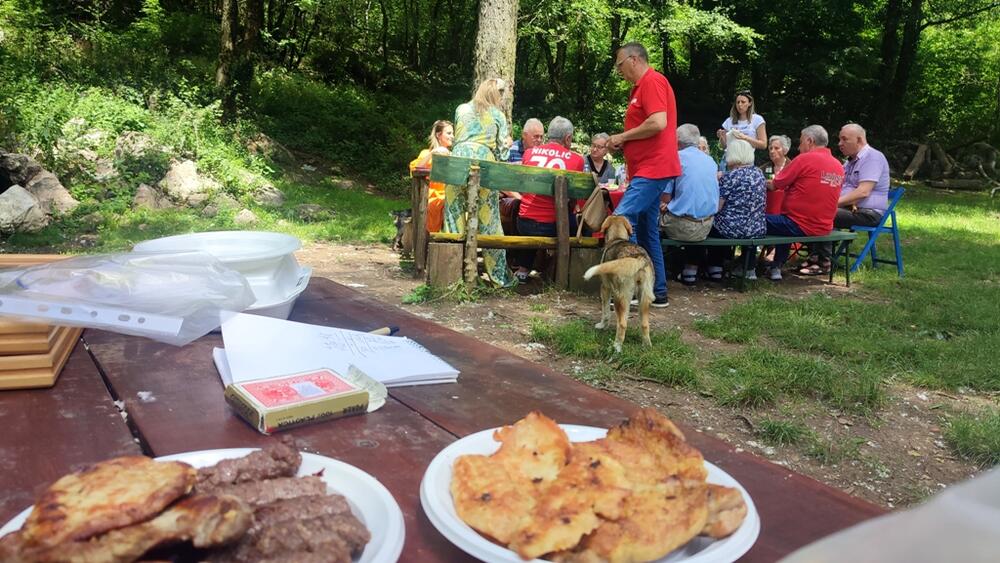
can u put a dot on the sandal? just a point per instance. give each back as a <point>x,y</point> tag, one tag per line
<point>815,270</point>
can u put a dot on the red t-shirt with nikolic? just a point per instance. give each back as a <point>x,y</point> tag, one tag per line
<point>653,157</point>
<point>542,208</point>
<point>812,187</point>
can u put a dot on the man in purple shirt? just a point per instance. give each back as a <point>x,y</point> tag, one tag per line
<point>864,195</point>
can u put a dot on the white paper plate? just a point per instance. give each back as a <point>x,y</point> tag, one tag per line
<point>435,496</point>
<point>369,500</point>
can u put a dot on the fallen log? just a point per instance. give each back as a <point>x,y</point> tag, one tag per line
<point>942,157</point>
<point>916,163</point>
<point>959,184</point>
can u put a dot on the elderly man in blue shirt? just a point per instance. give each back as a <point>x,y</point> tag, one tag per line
<point>689,202</point>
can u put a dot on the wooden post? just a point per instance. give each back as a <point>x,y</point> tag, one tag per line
<point>561,193</point>
<point>471,229</point>
<point>420,226</point>
<point>444,264</point>
<point>580,260</point>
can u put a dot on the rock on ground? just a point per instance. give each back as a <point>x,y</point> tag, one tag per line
<point>20,211</point>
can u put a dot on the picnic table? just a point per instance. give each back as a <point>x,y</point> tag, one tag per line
<point>174,400</point>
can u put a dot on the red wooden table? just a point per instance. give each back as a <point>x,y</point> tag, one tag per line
<point>174,402</point>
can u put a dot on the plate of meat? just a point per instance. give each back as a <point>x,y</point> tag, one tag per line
<point>239,504</point>
<point>540,491</point>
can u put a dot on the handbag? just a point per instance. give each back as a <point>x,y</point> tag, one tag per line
<point>594,211</point>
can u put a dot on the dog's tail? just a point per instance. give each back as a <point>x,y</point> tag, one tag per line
<point>622,266</point>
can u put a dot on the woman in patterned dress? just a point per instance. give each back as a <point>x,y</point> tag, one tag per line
<point>481,133</point>
<point>741,207</point>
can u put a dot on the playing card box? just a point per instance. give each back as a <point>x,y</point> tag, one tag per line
<point>278,403</point>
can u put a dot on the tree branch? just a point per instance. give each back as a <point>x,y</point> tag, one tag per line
<point>962,16</point>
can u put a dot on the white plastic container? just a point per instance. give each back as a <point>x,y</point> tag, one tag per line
<point>266,259</point>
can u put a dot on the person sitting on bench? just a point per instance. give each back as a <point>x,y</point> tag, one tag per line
<point>741,208</point>
<point>864,196</point>
<point>689,201</point>
<point>537,214</point>
<point>812,187</point>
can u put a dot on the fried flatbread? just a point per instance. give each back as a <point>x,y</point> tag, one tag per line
<point>204,520</point>
<point>494,493</point>
<point>654,432</point>
<point>107,495</point>
<point>726,511</point>
<point>591,486</point>
<point>656,520</point>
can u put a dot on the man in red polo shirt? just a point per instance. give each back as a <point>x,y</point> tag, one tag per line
<point>811,182</point>
<point>650,145</point>
<point>537,214</point>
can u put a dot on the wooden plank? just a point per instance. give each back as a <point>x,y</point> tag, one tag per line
<point>444,264</point>
<point>60,343</point>
<point>512,177</point>
<point>516,242</point>
<point>12,326</point>
<point>14,260</point>
<point>28,343</point>
<point>48,433</point>
<point>47,376</point>
<point>420,227</point>
<point>496,388</point>
<point>183,410</point>
<point>562,232</point>
<point>470,264</point>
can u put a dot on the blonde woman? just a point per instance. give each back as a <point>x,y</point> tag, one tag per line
<point>481,133</point>
<point>440,141</point>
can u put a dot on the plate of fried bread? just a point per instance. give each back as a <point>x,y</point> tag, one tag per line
<point>229,505</point>
<point>540,491</point>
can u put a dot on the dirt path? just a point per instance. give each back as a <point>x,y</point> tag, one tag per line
<point>894,459</point>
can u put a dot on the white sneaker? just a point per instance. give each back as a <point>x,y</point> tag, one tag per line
<point>752,275</point>
<point>774,273</point>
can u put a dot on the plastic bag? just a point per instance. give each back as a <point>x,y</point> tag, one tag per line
<point>170,297</point>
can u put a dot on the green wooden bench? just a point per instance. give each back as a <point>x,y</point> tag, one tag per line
<point>843,240</point>
<point>474,174</point>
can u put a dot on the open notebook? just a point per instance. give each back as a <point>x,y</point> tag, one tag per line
<point>258,347</point>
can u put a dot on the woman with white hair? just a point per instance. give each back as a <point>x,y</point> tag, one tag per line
<point>481,132</point>
<point>741,207</point>
<point>777,152</point>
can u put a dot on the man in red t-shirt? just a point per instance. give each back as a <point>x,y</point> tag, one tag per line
<point>650,146</point>
<point>537,214</point>
<point>811,182</point>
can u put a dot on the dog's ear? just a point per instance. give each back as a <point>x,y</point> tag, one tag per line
<point>628,226</point>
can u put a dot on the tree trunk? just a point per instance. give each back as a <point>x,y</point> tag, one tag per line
<point>496,44</point>
<point>224,73</point>
<point>907,56</point>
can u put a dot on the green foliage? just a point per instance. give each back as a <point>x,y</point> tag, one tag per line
<point>976,437</point>
<point>782,432</point>
<point>373,135</point>
<point>668,360</point>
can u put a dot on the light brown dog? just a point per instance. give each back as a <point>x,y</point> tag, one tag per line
<point>624,267</point>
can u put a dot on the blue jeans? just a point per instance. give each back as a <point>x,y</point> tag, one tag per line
<point>641,206</point>
<point>782,225</point>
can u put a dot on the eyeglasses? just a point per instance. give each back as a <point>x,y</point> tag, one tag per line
<point>744,93</point>
<point>593,146</point>
<point>621,62</point>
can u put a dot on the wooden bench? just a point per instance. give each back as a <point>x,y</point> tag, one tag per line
<point>435,254</point>
<point>842,238</point>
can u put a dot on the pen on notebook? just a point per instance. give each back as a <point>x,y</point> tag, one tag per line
<point>385,331</point>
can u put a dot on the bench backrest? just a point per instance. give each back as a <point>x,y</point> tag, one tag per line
<point>509,177</point>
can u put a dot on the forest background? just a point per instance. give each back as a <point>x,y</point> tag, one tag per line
<point>360,82</point>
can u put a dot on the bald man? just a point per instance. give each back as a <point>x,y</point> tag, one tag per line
<point>864,195</point>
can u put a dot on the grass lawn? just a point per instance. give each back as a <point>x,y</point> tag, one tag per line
<point>937,328</point>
